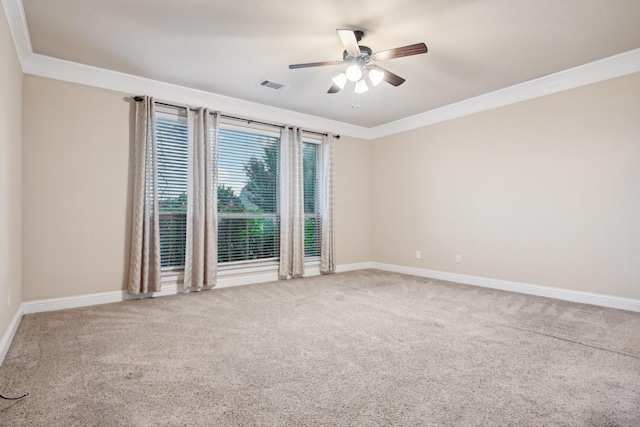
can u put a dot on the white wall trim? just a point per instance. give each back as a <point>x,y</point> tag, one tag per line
<point>54,68</point>
<point>523,288</point>
<point>604,69</point>
<point>224,281</point>
<point>63,303</point>
<point>7,338</point>
<point>45,66</point>
<point>353,267</point>
<point>19,29</point>
<point>43,305</point>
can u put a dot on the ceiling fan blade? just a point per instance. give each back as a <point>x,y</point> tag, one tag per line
<point>350,42</point>
<point>389,77</point>
<point>315,64</point>
<point>334,89</point>
<point>412,49</point>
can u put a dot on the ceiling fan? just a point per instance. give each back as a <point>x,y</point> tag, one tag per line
<point>361,63</point>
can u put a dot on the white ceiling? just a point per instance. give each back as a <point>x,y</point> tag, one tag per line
<point>228,47</point>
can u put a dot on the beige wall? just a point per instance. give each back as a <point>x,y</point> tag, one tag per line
<point>76,189</point>
<point>545,192</point>
<point>542,192</point>
<point>10,177</point>
<point>352,160</point>
<point>77,162</point>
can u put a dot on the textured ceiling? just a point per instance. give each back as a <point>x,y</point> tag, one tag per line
<point>227,48</point>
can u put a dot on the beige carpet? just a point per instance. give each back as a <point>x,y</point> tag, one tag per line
<point>366,348</point>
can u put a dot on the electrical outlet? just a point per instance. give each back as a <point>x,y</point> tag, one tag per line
<point>418,255</point>
<point>458,259</point>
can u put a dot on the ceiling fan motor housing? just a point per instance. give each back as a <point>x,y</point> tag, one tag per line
<point>364,57</point>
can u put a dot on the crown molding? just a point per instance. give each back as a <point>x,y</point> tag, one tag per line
<point>59,69</point>
<point>593,72</point>
<point>19,29</point>
<point>45,66</point>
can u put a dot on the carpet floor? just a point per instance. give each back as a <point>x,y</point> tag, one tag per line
<point>365,348</point>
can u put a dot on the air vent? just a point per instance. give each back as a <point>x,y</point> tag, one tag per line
<point>272,85</point>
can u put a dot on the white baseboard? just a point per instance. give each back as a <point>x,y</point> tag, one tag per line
<point>7,338</point>
<point>630,304</point>
<point>353,267</point>
<point>621,303</point>
<point>224,281</point>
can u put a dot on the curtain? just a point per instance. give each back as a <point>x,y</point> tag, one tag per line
<point>291,205</point>
<point>201,252</point>
<point>328,244</point>
<point>144,267</point>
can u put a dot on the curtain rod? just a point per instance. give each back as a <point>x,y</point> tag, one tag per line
<point>248,121</point>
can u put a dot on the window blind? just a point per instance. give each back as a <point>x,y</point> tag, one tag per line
<point>172,152</point>
<point>248,173</point>
<point>312,224</point>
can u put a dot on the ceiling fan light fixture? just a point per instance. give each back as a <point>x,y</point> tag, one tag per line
<point>340,80</point>
<point>361,86</point>
<point>354,73</point>
<point>376,76</point>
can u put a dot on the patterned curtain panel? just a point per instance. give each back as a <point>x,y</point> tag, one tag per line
<point>328,248</point>
<point>201,252</point>
<point>291,205</point>
<point>144,267</point>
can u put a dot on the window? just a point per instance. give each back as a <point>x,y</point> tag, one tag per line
<point>311,185</point>
<point>248,220</point>
<point>172,137</point>
<point>248,199</point>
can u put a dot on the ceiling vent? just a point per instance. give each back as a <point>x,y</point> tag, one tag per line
<point>272,85</point>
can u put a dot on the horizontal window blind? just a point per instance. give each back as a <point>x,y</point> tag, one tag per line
<point>248,173</point>
<point>172,153</point>
<point>312,224</point>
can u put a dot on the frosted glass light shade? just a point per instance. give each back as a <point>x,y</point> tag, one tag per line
<point>340,80</point>
<point>354,73</point>
<point>376,76</point>
<point>361,86</point>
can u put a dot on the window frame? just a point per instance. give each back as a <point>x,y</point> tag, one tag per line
<point>177,114</point>
<point>269,132</point>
